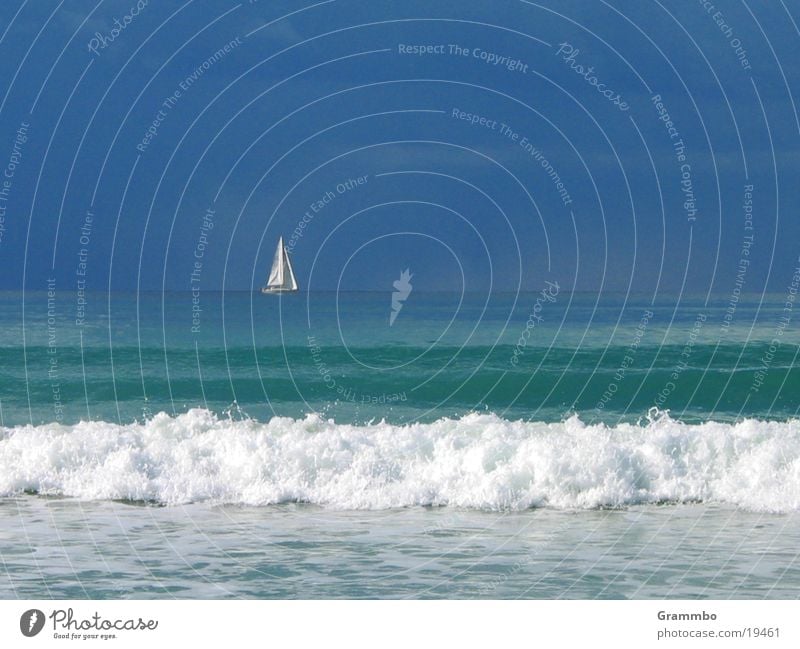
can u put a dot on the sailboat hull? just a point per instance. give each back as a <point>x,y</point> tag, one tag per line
<point>269,291</point>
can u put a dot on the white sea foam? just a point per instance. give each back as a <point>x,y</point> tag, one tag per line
<point>478,461</point>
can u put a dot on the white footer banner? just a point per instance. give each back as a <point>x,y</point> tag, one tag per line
<point>370,624</point>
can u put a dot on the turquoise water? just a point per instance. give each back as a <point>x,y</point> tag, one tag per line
<point>480,446</point>
<point>608,359</point>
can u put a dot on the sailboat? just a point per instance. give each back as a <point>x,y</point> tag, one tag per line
<point>281,276</point>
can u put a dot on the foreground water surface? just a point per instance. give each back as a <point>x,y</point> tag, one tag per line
<point>62,548</point>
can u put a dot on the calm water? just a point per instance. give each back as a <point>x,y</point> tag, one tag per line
<point>538,445</point>
<point>55,548</point>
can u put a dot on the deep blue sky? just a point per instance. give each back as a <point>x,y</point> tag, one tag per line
<point>321,94</point>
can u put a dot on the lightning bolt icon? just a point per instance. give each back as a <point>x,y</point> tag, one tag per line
<point>32,621</point>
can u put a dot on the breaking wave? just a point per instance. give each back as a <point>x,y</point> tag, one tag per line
<point>478,461</point>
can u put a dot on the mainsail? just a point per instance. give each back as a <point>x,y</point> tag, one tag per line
<point>281,276</point>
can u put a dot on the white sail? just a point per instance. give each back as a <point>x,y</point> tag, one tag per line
<point>291,282</point>
<point>281,276</point>
<point>276,274</point>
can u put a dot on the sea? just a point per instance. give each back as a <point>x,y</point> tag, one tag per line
<point>548,444</point>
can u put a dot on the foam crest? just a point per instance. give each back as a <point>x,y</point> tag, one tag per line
<point>478,461</point>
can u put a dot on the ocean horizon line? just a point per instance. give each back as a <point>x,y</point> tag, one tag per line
<point>645,294</point>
